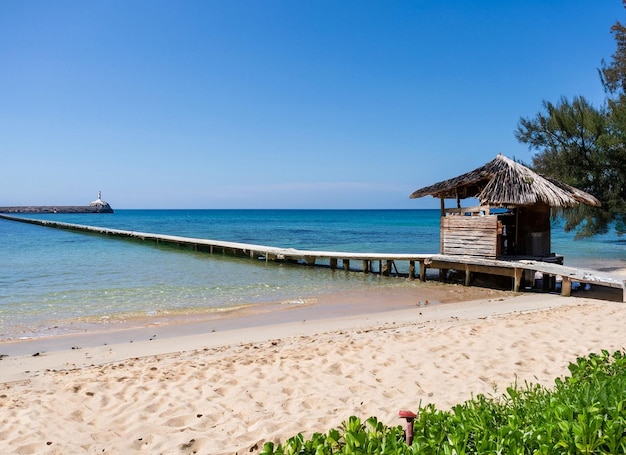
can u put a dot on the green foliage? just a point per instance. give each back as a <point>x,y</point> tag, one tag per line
<point>586,147</point>
<point>614,81</point>
<point>355,437</point>
<point>613,75</point>
<point>576,144</point>
<point>584,413</point>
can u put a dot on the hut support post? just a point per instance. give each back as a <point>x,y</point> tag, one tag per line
<point>468,275</point>
<point>443,213</point>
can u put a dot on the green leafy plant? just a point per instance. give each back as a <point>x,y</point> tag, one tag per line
<point>584,413</point>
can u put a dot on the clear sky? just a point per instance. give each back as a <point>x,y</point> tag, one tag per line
<point>278,103</point>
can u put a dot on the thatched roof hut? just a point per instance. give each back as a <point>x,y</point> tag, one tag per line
<point>520,226</point>
<point>504,183</point>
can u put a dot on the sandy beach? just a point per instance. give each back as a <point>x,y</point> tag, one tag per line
<point>229,391</point>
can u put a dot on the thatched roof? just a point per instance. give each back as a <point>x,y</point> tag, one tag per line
<point>503,182</point>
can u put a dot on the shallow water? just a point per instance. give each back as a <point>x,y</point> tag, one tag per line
<point>50,277</point>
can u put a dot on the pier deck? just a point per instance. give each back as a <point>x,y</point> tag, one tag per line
<point>382,263</point>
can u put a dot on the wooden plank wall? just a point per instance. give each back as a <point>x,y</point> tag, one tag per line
<point>470,235</point>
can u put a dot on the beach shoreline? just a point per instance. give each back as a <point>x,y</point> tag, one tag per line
<point>404,294</point>
<point>231,390</point>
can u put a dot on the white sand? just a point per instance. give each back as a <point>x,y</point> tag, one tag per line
<point>229,392</point>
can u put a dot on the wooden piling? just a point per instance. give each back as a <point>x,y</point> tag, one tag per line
<point>566,287</point>
<point>422,270</point>
<point>517,279</point>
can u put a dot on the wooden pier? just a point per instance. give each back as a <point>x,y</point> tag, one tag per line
<point>381,263</point>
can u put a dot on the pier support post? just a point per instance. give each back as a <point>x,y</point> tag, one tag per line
<point>411,270</point>
<point>366,266</point>
<point>346,264</point>
<point>310,260</point>
<point>387,269</point>
<point>566,287</point>
<point>333,263</point>
<point>546,282</point>
<point>423,270</point>
<point>517,279</point>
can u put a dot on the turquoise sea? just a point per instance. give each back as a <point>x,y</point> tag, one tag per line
<point>51,278</point>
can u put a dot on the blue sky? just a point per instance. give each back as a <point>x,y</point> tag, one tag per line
<point>278,104</point>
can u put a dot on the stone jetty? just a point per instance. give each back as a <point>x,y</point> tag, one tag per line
<point>97,206</point>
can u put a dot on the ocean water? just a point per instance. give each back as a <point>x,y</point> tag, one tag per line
<point>51,278</point>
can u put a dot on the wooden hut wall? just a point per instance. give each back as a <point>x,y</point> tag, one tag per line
<point>470,235</point>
